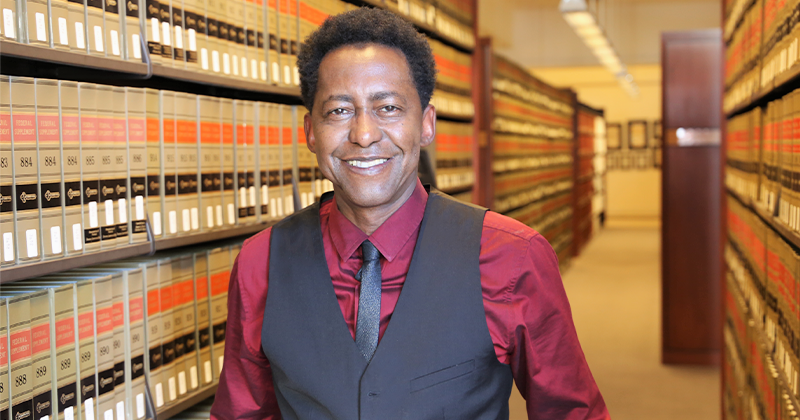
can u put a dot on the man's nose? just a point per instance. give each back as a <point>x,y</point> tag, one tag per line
<point>365,130</point>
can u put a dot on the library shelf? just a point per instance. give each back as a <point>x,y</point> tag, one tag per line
<point>423,26</point>
<point>42,268</point>
<point>188,403</point>
<point>62,57</point>
<point>449,116</point>
<point>215,235</point>
<point>210,79</point>
<point>783,84</point>
<point>773,222</point>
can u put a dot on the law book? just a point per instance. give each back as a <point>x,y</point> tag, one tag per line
<point>118,347</point>
<point>186,115</point>
<point>275,165</point>
<point>132,25</point>
<point>201,303</point>
<point>50,170</point>
<point>41,356</point>
<point>9,252</point>
<point>191,33</point>
<point>71,168</point>
<point>151,13</point>
<point>235,21</point>
<point>241,38</point>
<point>9,29</point>
<point>114,22</point>
<point>165,17</point>
<point>225,39</point>
<point>186,324</point>
<point>152,327</point>
<point>26,177</point>
<point>178,51</point>
<point>169,193</point>
<point>305,163</point>
<point>287,23</point>
<point>63,315</point>
<point>209,164</point>
<point>252,49</point>
<point>119,156</point>
<point>262,162</point>
<point>20,351</point>
<point>108,169</point>
<point>204,43</point>
<point>219,277</point>
<point>134,333</point>
<point>228,163</point>
<point>288,157</point>
<point>215,43</point>
<point>155,181</point>
<point>166,293</point>
<point>95,27</point>
<point>37,22</point>
<point>244,161</point>
<point>90,166</point>
<point>69,17</point>
<point>4,391</point>
<point>262,39</point>
<point>274,55</point>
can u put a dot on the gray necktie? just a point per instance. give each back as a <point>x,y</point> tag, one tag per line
<point>369,300</point>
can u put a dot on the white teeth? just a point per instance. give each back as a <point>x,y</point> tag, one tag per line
<point>366,163</point>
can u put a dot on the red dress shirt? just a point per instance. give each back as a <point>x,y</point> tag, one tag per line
<point>526,309</point>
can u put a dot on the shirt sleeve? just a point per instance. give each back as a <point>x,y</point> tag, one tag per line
<point>546,359</point>
<point>246,389</point>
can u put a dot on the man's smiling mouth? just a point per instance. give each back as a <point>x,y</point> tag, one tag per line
<point>365,164</point>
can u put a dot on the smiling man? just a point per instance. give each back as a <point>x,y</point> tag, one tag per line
<point>388,300</point>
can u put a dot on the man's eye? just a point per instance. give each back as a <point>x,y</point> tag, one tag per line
<point>338,111</point>
<point>390,108</point>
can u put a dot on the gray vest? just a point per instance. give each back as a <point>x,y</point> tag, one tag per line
<point>436,359</point>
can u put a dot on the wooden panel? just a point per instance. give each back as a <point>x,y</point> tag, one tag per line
<point>691,251</point>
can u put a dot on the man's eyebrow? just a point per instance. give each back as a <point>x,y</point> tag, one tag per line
<point>338,98</point>
<point>379,96</point>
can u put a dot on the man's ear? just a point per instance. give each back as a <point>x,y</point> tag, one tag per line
<point>428,126</point>
<point>307,126</point>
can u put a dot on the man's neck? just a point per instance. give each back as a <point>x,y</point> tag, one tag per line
<point>369,219</point>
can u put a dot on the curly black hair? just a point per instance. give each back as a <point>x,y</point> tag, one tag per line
<point>367,26</point>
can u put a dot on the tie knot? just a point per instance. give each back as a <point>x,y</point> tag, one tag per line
<point>369,252</point>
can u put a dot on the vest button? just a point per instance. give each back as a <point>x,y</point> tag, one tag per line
<point>374,394</point>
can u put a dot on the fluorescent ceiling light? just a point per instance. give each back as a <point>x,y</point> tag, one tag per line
<point>578,16</point>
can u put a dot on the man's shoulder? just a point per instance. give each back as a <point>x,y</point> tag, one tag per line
<point>505,228</point>
<point>257,243</point>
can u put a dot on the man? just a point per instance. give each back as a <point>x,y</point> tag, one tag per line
<point>386,300</point>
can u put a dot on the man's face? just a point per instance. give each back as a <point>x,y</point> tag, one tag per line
<point>367,125</point>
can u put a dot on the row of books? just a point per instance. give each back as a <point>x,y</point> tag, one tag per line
<point>124,340</point>
<point>744,46</point>
<point>88,167</point>
<point>452,18</point>
<point>453,93</point>
<point>454,152</point>
<point>633,159</point>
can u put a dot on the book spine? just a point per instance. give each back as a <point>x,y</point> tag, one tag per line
<point>120,161</point>
<point>71,168</point>
<point>20,352</point>
<point>167,331</point>
<point>73,28</point>
<point>152,16</point>
<point>155,209</point>
<point>250,37</point>
<point>288,162</point>
<point>244,155</point>
<point>188,382</point>
<point>119,345</point>
<point>219,268</point>
<point>135,337</point>
<point>9,29</point>
<point>261,36</point>
<point>133,29</point>
<point>273,41</point>
<point>233,22</point>
<point>137,164</point>
<point>305,164</point>
<point>179,52</point>
<point>209,164</point>
<point>26,177</point>
<point>204,43</point>
<point>214,37</point>
<point>226,44</point>
<point>64,342</point>
<point>50,170</point>
<point>191,30</point>
<point>37,22</point>
<point>95,27</point>
<point>186,143</point>
<point>86,349</point>
<point>228,163</point>
<point>9,251</point>
<point>114,27</point>
<point>262,161</point>
<point>152,327</point>
<point>201,304</point>
<point>5,389</point>
<point>177,380</point>
<point>104,344</point>
<point>41,357</point>
<point>169,194</point>
<point>90,173</point>
<point>107,167</point>
<point>275,165</point>
<point>165,17</point>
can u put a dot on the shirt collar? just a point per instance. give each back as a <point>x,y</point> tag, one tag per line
<point>389,238</point>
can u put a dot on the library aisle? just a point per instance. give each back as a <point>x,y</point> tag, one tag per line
<point>615,292</point>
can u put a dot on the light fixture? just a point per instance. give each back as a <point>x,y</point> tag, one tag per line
<point>578,16</point>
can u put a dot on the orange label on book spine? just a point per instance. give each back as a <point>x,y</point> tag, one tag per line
<point>21,345</point>
<point>65,332</point>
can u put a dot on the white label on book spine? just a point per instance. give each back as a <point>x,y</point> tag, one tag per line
<point>219,215</point>
<point>41,29</point>
<point>109,208</point>
<point>235,60</point>
<point>98,38</point>
<point>63,31</point>
<point>226,63</point>
<point>273,212</point>
<point>156,223</point>
<point>296,76</point>
<point>8,246</point>
<point>185,219</point>
<point>215,60</point>
<point>159,395</point>
<point>231,217</point>
<point>114,42</point>
<point>93,214</point>
<point>8,23</point>
<point>121,410</point>
<point>264,195</point>
<point>55,239</point>
<point>173,394</point>
<point>191,34</point>
<point>204,58</point>
<point>244,66</point>
<point>108,415</point>
<point>178,37</point>
<point>287,74</point>
<point>252,196</point>
<point>155,29</point>
<point>139,201</point>
<point>79,37</point>
<point>123,210</point>
<point>195,218</point>
<point>318,186</point>
<point>193,376</point>
<point>243,197</point>
<point>32,242</point>
<point>77,244</point>
<point>207,370</point>
<point>69,413</point>
<point>264,71</point>
<point>44,418</point>
<point>88,408</point>
<point>276,73</point>
<point>173,221</point>
<point>254,68</point>
<point>210,216</point>
<point>137,46</point>
<point>139,406</point>
<point>165,32</point>
<point>182,383</point>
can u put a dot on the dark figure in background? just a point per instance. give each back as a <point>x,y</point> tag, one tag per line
<point>388,300</point>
